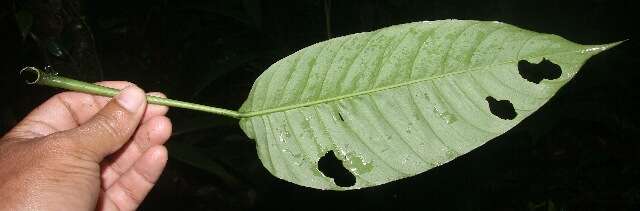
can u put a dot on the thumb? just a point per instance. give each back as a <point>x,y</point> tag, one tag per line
<point>111,127</point>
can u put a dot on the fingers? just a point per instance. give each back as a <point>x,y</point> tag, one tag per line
<point>112,126</point>
<point>154,132</point>
<point>129,190</point>
<point>152,110</point>
<point>68,110</point>
<point>155,110</point>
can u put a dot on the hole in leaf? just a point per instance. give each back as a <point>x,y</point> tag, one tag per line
<point>536,72</point>
<point>340,116</point>
<point>332,167</point>
<point>501,108</point>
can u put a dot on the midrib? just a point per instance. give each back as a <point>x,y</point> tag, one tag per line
<point>332,99</point>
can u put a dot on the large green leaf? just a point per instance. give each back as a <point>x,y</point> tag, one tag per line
<point>401,100</point>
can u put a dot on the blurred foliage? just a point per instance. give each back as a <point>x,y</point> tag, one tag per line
<point>24,20</point>
<point>210,51</point>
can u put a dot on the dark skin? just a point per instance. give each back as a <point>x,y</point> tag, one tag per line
<point>82,152</point>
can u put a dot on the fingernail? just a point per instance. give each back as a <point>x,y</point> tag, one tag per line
<point>131,98</point>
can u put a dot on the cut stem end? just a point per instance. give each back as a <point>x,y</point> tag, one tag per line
<point>31,75</point>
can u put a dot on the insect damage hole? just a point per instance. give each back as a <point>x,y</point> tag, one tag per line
<point>501,108</point>
<point>536,72</point>
<point>332,167</point>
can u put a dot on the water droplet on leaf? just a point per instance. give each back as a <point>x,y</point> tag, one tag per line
<point>445,115</point>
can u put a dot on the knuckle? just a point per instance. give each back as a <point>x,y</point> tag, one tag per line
<point>146,177</point>
<point>109,124</point>
<point>130,193</point>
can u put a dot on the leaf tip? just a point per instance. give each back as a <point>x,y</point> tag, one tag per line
<point>614,44</point>
<point>596,49</point>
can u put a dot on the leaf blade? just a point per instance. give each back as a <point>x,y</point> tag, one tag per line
<point>400,100</point>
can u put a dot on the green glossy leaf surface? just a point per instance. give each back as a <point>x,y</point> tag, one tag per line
<point>401,100</point>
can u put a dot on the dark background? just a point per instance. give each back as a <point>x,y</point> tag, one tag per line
<point>578,152</point>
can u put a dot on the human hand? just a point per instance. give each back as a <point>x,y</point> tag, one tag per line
<point>82,152</point>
